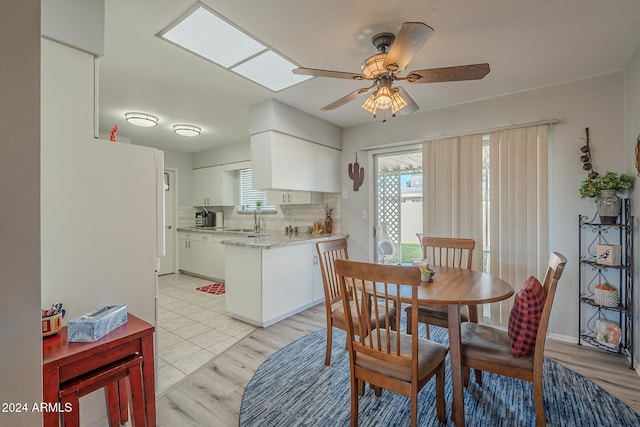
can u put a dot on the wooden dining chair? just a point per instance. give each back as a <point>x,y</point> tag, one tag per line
<point>451,252</point>
<point>385,358</point>
<point>486,348</point>
<point>328,252</point>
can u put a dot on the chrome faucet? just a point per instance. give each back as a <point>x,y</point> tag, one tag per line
<point>256,223</point>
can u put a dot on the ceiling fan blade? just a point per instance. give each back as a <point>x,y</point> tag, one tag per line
<point>353,95</point>
<point>408,42</point>
<point>411,104</point>
<point>449,74</point>
<point>326,73</point>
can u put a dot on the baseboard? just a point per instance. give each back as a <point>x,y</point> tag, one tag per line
<point>564,338</point>
<point>574,340</point>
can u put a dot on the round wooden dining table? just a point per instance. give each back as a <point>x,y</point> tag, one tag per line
<point>455,287</point>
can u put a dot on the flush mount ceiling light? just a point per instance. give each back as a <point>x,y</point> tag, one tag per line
<point>205,33</point>
<point>142,119</point>
<point>187,130</point>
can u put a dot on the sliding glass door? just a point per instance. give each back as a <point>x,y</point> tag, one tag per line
<point>397,206</point>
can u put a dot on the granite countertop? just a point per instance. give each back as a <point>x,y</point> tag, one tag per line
<point>280,239</point>
<point>221,231</point>
<point>267,239</point>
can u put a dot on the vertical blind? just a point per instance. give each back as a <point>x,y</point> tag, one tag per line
<point>517,243</point>
<point>453,190</point>
<point>519,209</point>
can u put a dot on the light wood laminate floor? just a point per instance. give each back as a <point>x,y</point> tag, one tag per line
<point>212,395</point>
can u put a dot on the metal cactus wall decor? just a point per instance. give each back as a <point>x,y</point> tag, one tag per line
<point>356,173</point>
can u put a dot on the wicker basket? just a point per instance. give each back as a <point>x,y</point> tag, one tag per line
<point>606,297</point>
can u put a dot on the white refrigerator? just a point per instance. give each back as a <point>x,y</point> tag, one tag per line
<point>102,227</point>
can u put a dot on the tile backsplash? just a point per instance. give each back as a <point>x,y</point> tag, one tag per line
<point>300,216</point>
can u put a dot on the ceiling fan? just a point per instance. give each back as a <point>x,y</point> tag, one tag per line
<point>384,68</point>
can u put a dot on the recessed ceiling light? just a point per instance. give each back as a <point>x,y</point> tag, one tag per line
<point>187,130</point>
<point>142,119</point>
<point>209,35</point>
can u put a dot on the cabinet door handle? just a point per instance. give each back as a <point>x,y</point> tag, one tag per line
<point>289,197</point>
<point>283,200</point>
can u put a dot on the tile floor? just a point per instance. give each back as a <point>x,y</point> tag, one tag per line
<point>193,328</point>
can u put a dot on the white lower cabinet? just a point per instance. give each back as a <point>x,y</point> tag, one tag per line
<point>201,254</point>
<point>186,258</point>
<point>264,286</point>
<point>317,287</point>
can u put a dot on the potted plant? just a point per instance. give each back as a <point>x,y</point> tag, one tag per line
<point>605,189</point>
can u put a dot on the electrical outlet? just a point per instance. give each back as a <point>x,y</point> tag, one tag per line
<point>344,194</point>
<point>365,214</point>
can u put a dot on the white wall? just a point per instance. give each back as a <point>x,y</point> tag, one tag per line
<point>226,154</point>
<point>20,339</point>
<point>98,204</point>
<point>75,23</point>
<point>597,103</point>
<point>632,132</point>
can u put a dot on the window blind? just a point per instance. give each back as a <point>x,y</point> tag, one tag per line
<point>248,195</point>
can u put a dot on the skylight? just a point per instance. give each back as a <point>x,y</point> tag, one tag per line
<point>210,36</point>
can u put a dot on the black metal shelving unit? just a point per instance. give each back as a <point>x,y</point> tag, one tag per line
<point>592,233</point>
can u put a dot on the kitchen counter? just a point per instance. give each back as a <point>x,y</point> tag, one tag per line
<point>272,277</point>
<point>272,241</point>
<point>268,239</point>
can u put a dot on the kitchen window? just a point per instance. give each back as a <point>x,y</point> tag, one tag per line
<point>249,195</point>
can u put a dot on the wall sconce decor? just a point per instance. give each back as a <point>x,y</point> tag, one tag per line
<point>586,157</point>
<point>356,173</point>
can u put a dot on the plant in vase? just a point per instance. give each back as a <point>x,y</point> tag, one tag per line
<point>426,274</point>
<point>605,189</point>
<point>328,220</point>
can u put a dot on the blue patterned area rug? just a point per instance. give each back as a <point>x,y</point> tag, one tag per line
<point>294,388</point>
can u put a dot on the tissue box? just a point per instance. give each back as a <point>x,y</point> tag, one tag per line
<point>608,254</point>
<point>97,323</point>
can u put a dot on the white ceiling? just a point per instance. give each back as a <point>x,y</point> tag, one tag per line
<point>528,44</point>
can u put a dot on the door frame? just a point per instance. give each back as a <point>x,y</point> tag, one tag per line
<point>396,149</point>
<point>173,173</point>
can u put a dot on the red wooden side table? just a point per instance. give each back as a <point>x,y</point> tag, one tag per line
<point>64,362</point>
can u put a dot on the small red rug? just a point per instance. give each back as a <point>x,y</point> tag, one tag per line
<point>213,288</point>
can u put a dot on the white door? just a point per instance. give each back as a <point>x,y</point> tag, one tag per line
<point>168,261</point>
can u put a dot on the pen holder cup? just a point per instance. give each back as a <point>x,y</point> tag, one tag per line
<point>51,325</point>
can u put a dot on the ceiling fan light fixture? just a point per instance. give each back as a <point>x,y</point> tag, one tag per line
<point>370,105</point>
<point>141,119</point>
<point>186,130</point>
<point>383,97</point>
<point>373,66</point>
<point>397,103</point>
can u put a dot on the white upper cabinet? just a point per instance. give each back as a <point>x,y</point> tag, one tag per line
<point>285,162</point>
<point>214,186</point>
<point>292,197</point>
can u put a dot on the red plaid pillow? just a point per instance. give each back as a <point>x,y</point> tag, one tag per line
<point>525,317</point>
